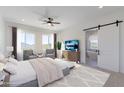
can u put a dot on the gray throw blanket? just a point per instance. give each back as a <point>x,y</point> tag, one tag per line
<point>46,71</point>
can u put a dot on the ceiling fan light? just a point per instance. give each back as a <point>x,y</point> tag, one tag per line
<point>49,24</point>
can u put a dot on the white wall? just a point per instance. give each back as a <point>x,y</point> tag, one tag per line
<point>2,35</point>
<point>71,34</point>
<point>75,32</point>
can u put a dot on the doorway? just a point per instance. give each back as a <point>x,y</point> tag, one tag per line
<point>91,48</point>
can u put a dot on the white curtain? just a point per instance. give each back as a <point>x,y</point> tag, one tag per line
<point>19,49</point>
<point>25,40</point>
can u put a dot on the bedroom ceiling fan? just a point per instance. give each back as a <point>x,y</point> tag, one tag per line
<point>50,21</point>
<point>47,18</point>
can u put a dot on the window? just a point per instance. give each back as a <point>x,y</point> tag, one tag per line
<point>47,41</point>
<point>93,41</point>
<point>27,40</point>
<point>94,44</point>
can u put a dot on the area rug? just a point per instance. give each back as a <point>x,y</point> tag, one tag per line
<point>82,76</point>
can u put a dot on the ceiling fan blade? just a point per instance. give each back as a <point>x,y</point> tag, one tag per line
<point>52,24</point>
<point>56,22</point>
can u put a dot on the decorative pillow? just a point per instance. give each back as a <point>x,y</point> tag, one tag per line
<point>10,67</point>
<point>13,61</point>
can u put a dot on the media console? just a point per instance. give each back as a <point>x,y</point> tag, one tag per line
<point>71,56</point>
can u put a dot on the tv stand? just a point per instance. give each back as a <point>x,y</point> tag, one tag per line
<point>71,55</point>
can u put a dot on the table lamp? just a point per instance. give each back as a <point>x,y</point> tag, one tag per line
<point>10,50</point>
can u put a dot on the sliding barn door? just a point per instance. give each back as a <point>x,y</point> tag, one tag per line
<point>108,57</point>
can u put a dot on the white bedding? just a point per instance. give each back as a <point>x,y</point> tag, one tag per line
<point>25,72</point>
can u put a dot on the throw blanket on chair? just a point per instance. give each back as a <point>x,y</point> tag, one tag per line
<point>46,71</point>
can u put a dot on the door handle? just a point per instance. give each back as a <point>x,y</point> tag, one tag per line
<point>98,52</point>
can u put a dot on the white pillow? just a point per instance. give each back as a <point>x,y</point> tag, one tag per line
<point>11,68</point>
<point>13,61</point>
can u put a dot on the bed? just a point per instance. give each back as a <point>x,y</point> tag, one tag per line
<point>26,76</point>
<point>73,75</point>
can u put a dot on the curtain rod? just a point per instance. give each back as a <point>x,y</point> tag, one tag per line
<point>99,26</point>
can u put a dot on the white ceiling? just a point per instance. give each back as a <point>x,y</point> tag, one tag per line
<point>67,15</point>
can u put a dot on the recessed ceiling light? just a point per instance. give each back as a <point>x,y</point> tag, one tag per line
<point>23,19</point>
<point>100,6</point>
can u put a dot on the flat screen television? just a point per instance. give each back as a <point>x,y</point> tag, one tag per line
<point>72,45</point>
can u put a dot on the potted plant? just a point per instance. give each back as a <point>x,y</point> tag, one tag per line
<point>59,44</point>
<point>59,52</point>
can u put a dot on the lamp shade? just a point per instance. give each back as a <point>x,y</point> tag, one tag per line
<point>9,48</point>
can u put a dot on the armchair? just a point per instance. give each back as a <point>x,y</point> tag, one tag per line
<point>50,53</point>
<point>28,54</point>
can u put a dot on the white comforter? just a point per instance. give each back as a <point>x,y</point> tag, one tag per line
<point>26,73</point>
